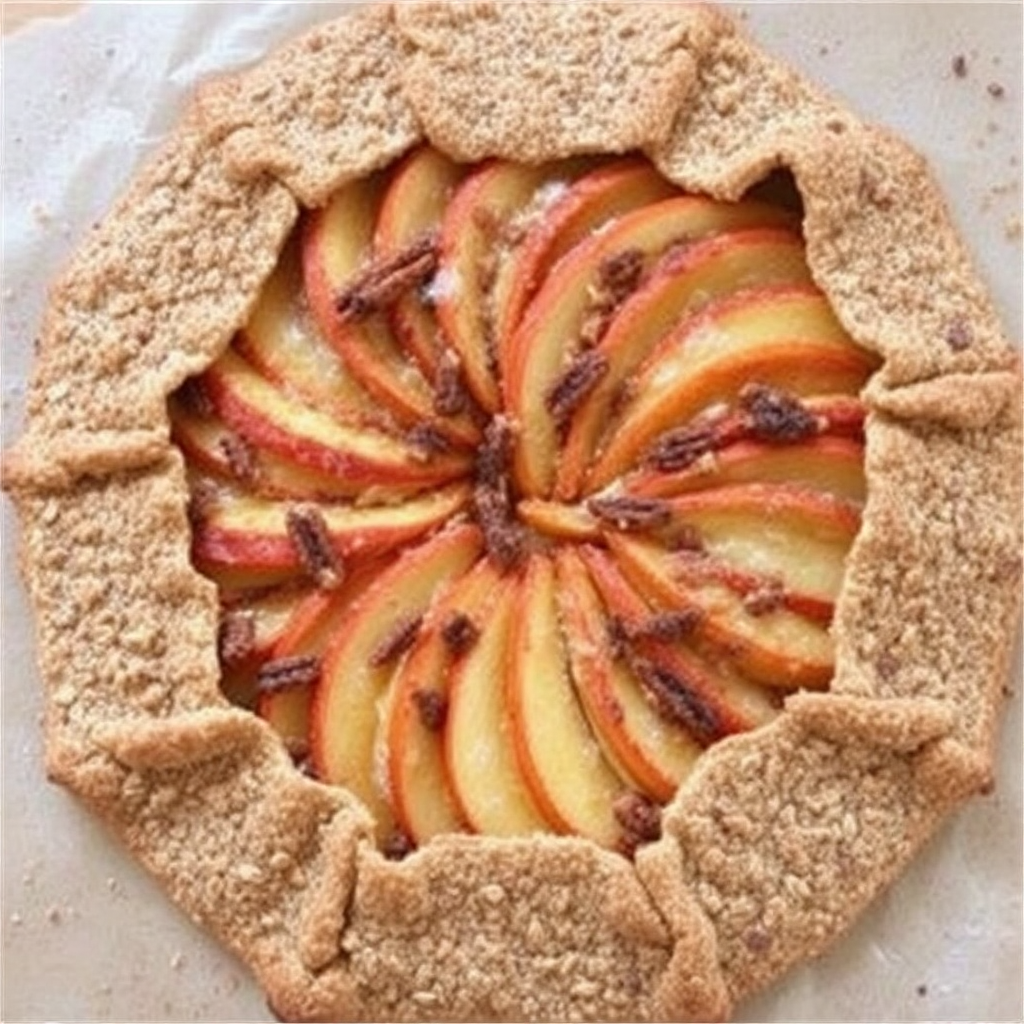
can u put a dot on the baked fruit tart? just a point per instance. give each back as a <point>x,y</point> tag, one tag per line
<point>514,560</point>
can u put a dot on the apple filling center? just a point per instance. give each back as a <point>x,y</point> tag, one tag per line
<point>521,487</point>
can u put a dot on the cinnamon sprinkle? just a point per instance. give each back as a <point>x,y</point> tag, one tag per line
<point>307,530</point>
<point>387,278</point>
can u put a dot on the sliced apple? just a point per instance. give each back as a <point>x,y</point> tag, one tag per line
<point>413,206</point>
<point>357,669</point>
<point>360,456</point>
<point>413,731</point>
<point>283,342</point>
<point>682,283</point>
<point>595,199</point>
<point>721,701</point>
<point>213,447</point>
<point>780,649</point>
<point>312,621</point>
<point>645,749</point>
<point>474,233</point>
<point>567,773</point>
<point>479,749</point>
<point>783,337</point>
<point>543,348</point>
<point>336,246</point>
<point>559,521</point>
<point>250,534</point>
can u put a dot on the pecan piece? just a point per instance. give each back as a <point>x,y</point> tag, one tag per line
<point>387,278</point>
<point>668,626</point>
<point>640,819</point>
<point>395,643</point>
<point>398,845</point>
<point>495,454</point>
<point>631,513</point>
<point>504,538</point>
<point>236,637</point>
<point>450,394</point>
<point>429,439</point>
<point>681,448</point>
<point>288,673</point>
<point>241,458</point>
<point>674,698</point>
<point>307,530</point>
<point>583,375</point>
<point>776,415</point>
<point>765,599</point>
<point>432,708</point>
<point>459,632</point>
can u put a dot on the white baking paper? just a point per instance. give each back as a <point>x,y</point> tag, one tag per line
<point>87,936</point>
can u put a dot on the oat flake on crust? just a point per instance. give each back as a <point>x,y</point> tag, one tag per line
<point>752,873</point>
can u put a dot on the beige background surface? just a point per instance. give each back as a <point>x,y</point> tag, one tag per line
<point>86,935</point>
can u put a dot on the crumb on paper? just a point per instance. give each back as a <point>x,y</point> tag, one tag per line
<point>42,215</point>
<point>996,90</point>
<point>1013,228</point>
<point>53,915</point>
<point>16,919</point>
<point>177,961</point>
<point>959,66</point>
<point>922,990</point>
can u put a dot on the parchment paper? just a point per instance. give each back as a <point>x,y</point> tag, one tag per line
<point>87,936</point>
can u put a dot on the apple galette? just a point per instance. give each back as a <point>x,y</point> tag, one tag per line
<point>523,510</point>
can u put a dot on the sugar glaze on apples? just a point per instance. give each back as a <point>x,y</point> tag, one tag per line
<point>524,485</point>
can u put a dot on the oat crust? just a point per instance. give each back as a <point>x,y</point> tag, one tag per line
<point>283,869</point>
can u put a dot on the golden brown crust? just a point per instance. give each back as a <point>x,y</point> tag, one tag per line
<point>753,873</point>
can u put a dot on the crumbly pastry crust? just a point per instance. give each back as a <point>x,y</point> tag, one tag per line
<point>752,873</point>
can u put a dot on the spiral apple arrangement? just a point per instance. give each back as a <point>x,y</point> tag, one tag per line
<point>524,485</point>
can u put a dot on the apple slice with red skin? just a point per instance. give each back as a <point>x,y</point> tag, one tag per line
<point>345,716</point>
<point>208,444</point>
<point>250,535</point>
<point>567,773</point>
<point>753,533</point>
<point>484,206</point>
<point>361,456</point>
<point>728,448</point>
<point>413,206</point>
<point>682,283</point>
<point>559,521</point>
<point>421,794</point>
<point>592,201</point>
<point>336,246</point>
<point>480,757</point>
<point>783,337</point>
<point>542,350</point>
<point>314,619</point>
<point>730,702</point>
<point>282,341</point>
<point>648,751</point>
<point>780,648</point>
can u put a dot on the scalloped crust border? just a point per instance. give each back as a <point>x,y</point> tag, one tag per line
<point>752,873</point>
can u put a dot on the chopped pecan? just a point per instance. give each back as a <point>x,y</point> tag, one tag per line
<point>639,817</point>
<point>459,632</point>
<point>395,643</point>
<point>307,530</point>
<point>632,514</point>
<point>675,699</point>
<point>495,454</point>
<point>618,277</point>
<point>241,458</point>
<point>504,537</point>
<point>776,415</point>
<point>450,395</point>
<point>398,845</point>
<point>429,439</point>
<point>583,375</point>
<point>387,278</point>
<point>432,707</point>
<point>236,637</point>
<point>680,448</point>
<point>668,626</point>
<point>288,673</point>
